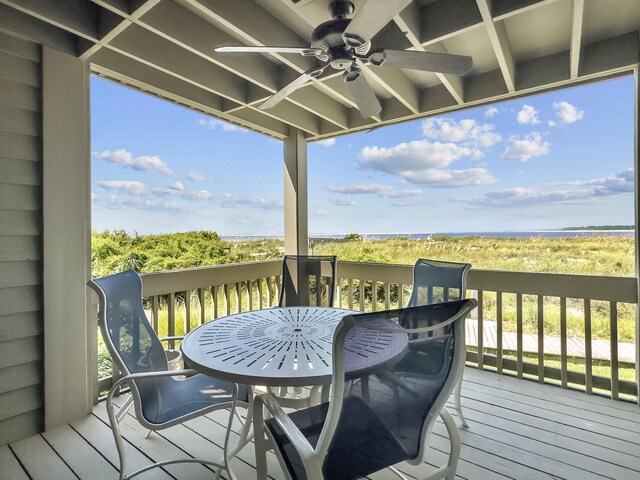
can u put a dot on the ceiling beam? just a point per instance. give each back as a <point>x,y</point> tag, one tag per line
<point>195,34</point>
<point>409,22</point>
<point>605,59</point>
<point>260,28</point>
<point>24,25</point>
<point>110,28</point>
<point>148,48</point>
<point>500,43</point>
<point>76,16</point>
<point>576,37</point>
<point>125,70</point>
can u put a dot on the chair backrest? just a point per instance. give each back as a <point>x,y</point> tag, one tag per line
<point>130,339</point>
<point>407,392</point>
<point>436,281</point>
<point>308,281</point>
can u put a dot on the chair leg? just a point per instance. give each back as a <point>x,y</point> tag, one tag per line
<point>261,444</point>
<point>457,392</point>
<point>117,436</point>
<point>454,438</point>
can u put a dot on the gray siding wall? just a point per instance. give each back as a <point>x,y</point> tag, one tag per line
<point>21,245</point>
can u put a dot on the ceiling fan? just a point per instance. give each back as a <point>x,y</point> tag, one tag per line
<point>342,43</point>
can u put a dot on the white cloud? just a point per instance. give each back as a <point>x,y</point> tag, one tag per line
<point>343,201</point>
<point>422,162</point>
<point>621,182</point>
<point>229,200</point>
<point>617,184</point>
<point>417,155</point>
<point>466,132</point>
<point>93,196</point>
<point>214,123</point>
<point>144,163</point>
<point>177,189</point>
<point>528,115</point>
<point>526,147</point>
<point>178,185</point>
<point>360,188</point>
<point>402,193</point>
<point>196,176</point>
<point>129,187</point>
<point>117,202</point>
<point>440,178</point>
<point>491,112</point>
<point>381,190</point>
<point>566,113</point>
<point>328,142</point>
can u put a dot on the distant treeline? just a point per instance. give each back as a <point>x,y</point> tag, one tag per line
<point>602,227</point>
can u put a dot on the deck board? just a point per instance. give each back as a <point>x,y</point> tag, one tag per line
<point>518,430</point>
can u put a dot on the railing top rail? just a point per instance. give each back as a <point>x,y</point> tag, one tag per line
<point>595,287</point>
<point>160,283</point>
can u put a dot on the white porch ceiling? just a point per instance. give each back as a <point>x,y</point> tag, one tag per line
<point>166,48</point>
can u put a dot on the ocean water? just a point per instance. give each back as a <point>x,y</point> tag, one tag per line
<point>421,236</point>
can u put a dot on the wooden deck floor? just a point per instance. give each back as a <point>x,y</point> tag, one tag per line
<point>518,429</point>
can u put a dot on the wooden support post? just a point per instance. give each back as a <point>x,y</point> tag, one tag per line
<point>296,229</point>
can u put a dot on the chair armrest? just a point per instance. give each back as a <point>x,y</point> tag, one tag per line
<point>297,439</point>
<point>168,339</point>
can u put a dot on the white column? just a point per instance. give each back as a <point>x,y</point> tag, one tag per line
<point>636,141</point>
<point>70,363</point>
<point>296,228</point>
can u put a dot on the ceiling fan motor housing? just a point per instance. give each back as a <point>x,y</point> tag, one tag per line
<point>328,37</point>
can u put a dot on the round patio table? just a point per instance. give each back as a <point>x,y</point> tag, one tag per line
<point>278,347</point>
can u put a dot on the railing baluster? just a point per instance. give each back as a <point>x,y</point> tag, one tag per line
<point>540,338</point>
<point>519,328</point>
<point>250,294</point>
<point>154,313</point>
<point>480,330</point>
<point>214,299</point>
<point>563,342</point>
<point>171,323</point>
<point>588,353</point>
<point>227,297</point>
<point>202,309</point>
<point>361,291</point>
<point>499,331</point>
<point>238,295</point>
<point>374,295</point>
<point>187,311</point>
<point>613,338</point>
<point>260,304</point>
<point>387,295</point>
<point>350,293</point>
<point>400,295</point>
<point>269,290</point>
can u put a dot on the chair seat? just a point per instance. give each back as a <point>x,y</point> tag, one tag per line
<point>168,398</point>
<point>361,444</point>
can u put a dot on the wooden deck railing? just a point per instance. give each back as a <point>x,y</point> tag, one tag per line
<point>521,303</point>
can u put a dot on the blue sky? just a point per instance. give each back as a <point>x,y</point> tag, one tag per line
<point>549,161</point>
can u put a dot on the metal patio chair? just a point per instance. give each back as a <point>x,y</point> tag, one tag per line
<point>357,434</point>
<point>160,400</point>
<point>436,281</point>
<point>308,280</point>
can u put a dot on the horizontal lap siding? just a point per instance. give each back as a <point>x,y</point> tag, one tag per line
<point>21,316</point>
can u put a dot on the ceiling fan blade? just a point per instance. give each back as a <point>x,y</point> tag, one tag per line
<point>249,49</point>
<point>361,92</point>
<point>292,86</point>
<point>428,61</point>
<point>369,20</point>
